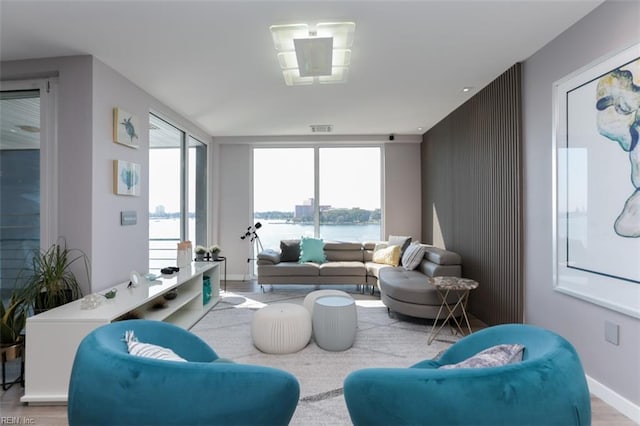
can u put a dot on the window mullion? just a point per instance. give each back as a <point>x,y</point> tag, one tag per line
<point>316,191</point>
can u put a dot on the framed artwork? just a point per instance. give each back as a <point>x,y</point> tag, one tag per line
<point>597,183</point>
<point>126,178</point>
<point>125,128</point>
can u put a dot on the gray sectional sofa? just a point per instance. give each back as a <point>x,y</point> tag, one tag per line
<point>405,291</point>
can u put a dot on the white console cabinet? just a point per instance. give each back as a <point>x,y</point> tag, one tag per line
<point>52,337</point>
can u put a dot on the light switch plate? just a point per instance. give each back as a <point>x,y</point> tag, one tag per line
<point>128,217</point>
<point>611,332</point>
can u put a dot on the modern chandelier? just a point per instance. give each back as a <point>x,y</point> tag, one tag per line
<point>319,53</point>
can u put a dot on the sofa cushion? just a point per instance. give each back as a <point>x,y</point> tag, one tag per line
<point>413,256</point>
<point>353,268</point>
<point>387,255</point>
<point>312,250</point>
<point>442,256</point>
<point>290,269</point>
<point>290,250</point>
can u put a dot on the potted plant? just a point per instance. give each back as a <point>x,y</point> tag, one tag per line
<point>13,318</point>
<point>50,282</point>
<point>200,252</point>
<point>215,251</point>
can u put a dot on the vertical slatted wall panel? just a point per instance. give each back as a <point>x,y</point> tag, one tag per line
<point>471,187</point>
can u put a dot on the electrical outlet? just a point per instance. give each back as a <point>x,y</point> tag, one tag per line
<point>611,332</point>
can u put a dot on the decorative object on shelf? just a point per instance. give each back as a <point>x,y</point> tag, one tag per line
<point>200,251</point>
<point>90,301</point>
<point>206,290</point>
<point>171,294</point>
<point>134,278</point>
<point>50,281</point>
<point>125,128</point>
<point>169,270</point>
<point>214,251</point>
<point>111,293</point>
<point>126,178</point>
<point>184,253</point>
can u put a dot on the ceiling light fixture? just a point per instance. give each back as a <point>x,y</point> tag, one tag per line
<point>467,89</point>
<point>314,54</point>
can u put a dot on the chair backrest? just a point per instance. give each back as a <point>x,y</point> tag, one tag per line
<point>547,387</point>
<point>109,386</point>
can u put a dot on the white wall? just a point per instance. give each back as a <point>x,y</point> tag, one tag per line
<point>611,27</point>
<point>88,211</point>
<point>401,197</point>
<point>402,193</point>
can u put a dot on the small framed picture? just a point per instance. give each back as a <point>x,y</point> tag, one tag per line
<point>126,127</point>
<point>126,178</point>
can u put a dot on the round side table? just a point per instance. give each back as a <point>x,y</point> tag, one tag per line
<point>461,287</point>
<point>335,321</point>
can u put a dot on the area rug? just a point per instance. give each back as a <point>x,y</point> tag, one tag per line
<point>381,341</point>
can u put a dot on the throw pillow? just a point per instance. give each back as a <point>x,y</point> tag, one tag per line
<point>494,356</point>
<point>312,250</point>
<point>388,255</point>
<point>403,242</point>
<point>289,250</point>
<point>413,256</point>
<point>147,350</point>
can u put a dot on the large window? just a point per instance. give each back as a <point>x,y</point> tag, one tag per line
<point>177,191</point>
<point>328,192</point>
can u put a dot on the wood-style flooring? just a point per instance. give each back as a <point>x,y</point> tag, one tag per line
<point>12,411</point>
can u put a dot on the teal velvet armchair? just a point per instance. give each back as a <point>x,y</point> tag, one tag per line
<point>108,386</point>
<point>548,387</point>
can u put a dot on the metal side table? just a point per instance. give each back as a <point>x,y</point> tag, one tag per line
<point>459,286</point>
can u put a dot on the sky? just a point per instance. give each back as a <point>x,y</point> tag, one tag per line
<point>283,178</point>
<point>349,177</point>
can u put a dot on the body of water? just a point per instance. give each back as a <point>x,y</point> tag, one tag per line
<point>271,232</point>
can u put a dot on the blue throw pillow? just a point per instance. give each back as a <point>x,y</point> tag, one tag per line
<point>312,250</point>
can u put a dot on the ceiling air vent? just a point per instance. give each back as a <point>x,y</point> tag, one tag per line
<point>320,128</point>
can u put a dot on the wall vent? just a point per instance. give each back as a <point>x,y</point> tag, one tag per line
<point>321,128</point>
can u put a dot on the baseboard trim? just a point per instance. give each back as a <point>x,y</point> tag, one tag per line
<point>615,400</point>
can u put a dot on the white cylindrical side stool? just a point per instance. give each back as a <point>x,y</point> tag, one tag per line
<point>310,299</point>
<point>281,328</point>
<point>335,321</point>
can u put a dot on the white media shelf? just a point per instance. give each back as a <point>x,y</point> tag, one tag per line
<point>52,337</point>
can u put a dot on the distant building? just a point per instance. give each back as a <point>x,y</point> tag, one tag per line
<point>307,207</point>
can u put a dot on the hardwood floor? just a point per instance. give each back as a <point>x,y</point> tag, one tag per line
<point>14,412</point>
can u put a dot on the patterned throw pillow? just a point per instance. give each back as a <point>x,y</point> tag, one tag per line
<point>413,256</point>
<point>494,356</point>
<point>387,255</point>
<point>147,350</point>
<point>312,250</point>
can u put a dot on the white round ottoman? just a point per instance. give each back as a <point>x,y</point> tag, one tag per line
<point>310,299</point>
<point>281,328</point>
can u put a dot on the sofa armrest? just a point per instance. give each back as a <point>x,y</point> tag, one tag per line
<point>268,257</point>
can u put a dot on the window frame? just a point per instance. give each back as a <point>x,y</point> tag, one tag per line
<point>316,174</point>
